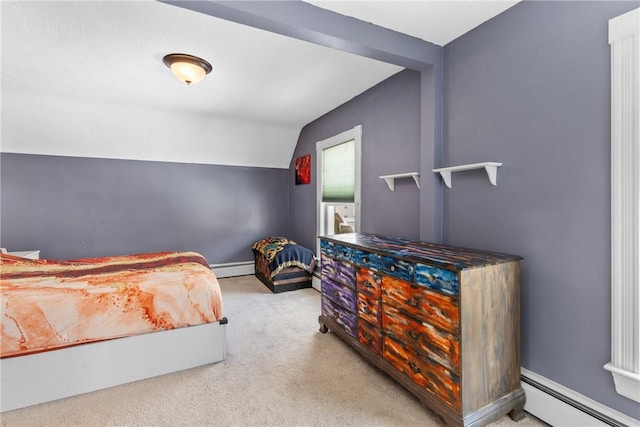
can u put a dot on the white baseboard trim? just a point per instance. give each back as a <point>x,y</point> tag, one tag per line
<point>560,406</point>
<point>232,269</point>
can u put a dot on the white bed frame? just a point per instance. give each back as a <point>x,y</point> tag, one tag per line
<point>42,377</point>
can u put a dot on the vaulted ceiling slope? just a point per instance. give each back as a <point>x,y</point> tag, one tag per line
<point>87,79</point>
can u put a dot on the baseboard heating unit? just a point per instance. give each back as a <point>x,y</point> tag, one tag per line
<point>558,405</point>
<point>232,269</point>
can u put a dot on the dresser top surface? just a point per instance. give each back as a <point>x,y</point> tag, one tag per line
<point>451,257</point>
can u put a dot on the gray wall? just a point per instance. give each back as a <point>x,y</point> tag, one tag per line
<point>390,117</point>
<point>72,207</point>
<point>530,88</point>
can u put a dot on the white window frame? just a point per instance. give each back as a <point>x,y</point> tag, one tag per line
<point>354,134</point>
<point>624,34</point>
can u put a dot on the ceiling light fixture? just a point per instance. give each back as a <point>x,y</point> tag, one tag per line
<point>187,68</point>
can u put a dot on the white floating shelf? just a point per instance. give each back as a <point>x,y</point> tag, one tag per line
<point>391,179</point>
<point>490,167</point>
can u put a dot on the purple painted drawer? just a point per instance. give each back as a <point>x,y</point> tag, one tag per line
<point>339,271</point>
<point>341,316</point>
<point>339,293</point>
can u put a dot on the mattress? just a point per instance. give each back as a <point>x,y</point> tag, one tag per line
<point>48,304</point>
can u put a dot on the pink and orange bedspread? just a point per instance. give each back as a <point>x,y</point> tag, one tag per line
<point>47,304</point>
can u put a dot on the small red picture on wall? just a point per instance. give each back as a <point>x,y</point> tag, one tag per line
<point>303,169</point>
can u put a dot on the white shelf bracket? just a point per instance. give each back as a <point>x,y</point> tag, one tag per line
<point>492,172</point>
<point>490,167</point>
<point>390,179</point>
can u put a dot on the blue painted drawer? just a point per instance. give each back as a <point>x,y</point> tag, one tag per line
<point>339,271</point>
<point>327,248</point>
<point>346,253</point>
<point>341,316</point>
<point>337,250</point>
<point>439,279</point>
<point>339,293</point>
<point>368,259</point>
<point>396,268</point>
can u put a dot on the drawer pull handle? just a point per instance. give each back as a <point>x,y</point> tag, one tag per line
<point>413,335</point>
<point>367,284</point>
<point>364,259</point>
<point>336,294</point>
<point>366,310</point>
<point>392,268</point>
<point>414,302</point>
<point>367,336</point>
<point>414,368</point>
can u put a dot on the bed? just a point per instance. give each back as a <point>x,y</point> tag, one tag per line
<point>283,265</point>
<point>70,327</point>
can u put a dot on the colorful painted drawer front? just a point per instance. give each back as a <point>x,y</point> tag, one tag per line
<point>368,281</point>
<point>396,268</point>
<point>368,259</point>
<point>369,336</point>
<point>339,293</point>
<point>340,315</point>
<point>346,253</point>
<point>440,346</point>
<point>369,309</point>
<point>445,281</point>
<point>435,378</point>
<point>339,271</point>
<point>422,303</point>
<point>326,248</point>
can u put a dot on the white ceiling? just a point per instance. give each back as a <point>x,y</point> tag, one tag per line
<point>438,22</point>
<point>87,78</point>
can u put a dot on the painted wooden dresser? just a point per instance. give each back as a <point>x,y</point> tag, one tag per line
<point>442,321</point>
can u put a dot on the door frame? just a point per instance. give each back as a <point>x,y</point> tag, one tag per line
<point>354,134</point>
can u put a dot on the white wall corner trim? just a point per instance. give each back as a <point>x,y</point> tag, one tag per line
<point>624,38</point>
<point>558,405</point>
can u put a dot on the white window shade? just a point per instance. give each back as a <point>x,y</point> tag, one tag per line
<point>338,173</point>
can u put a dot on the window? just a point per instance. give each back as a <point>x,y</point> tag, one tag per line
<point>338,166</point>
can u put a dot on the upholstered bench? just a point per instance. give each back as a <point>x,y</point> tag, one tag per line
<point>283,265</point>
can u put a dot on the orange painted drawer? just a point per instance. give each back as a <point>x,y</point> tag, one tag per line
<point>424,304</point>
<point>439,345</point>
<point>368,281</point>
<point>369,309</point>
<point>438,380</point>
<point>369,336</point>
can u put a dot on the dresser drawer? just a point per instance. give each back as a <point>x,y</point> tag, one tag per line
<point>368,281</point>
<point>396,268</point>
<point>327,248</point>
<point>339,271</point>
<point>438,380</point>
<point>368,259</point>
<point>440,346</point>
<point>339,293</point>
<point>340,315</point>
<point>337,250</point>
<point>422,303</point>
<point>445,281</point>
<point>369,336</point>
<point>369,309</point>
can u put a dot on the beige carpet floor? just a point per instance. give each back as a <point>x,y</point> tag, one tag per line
<point>279,371</point>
